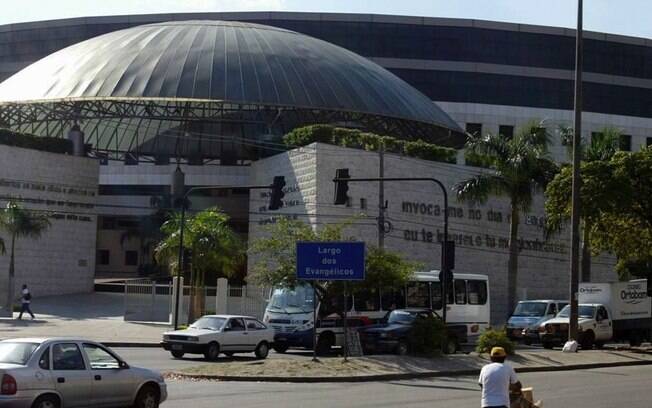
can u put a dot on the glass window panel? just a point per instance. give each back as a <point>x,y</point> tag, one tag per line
<point>67,356</point>
<point>367,301</point>
<point>477,292</point>
<point>100,359</point>
<point>418,294</point>
<point>460,292</point>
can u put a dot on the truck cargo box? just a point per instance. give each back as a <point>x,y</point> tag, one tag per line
<point>626,300</point>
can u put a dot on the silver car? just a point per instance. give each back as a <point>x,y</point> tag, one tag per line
<point>63,372</point>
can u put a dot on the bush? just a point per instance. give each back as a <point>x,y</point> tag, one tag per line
<point>46,144</point>
<point>494,338</point>
<point>368,141</point>
<point>429,151</point>
<point>427,336</point>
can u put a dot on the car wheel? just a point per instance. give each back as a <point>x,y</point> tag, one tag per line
<point>280,347</point>
<point>212,352</point>
<point>547,345</point>
<point>402,348</point>
<point>450,345</point>
<point>262,350</point>
<point>46,401</point>
<point>148,397</point>
<point>587,340</point>
<point>177,354</point>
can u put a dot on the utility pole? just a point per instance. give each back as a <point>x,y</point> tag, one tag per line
<point>381,196</point>
<point>575,213</point>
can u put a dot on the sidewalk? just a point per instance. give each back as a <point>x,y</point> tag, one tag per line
<point>95,316</point>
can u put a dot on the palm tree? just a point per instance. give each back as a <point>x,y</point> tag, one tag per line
<point>19,223</point>
<point>602,146</point>
<point>214,246</point>
<point>520,166</point>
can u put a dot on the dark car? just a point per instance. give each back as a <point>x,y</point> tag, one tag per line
<point>392,335</point>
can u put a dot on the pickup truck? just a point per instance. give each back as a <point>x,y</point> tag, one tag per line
<point>619,311</point>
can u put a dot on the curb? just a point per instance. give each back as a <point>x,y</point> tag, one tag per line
<point>402,376</point>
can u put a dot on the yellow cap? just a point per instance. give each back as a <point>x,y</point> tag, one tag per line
<point>498,352</point>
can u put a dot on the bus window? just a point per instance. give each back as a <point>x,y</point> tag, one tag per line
<point>460,292</point>
<point>394,299</point>
<point>418,294</point>
<point>334,305</point>
<point>477,292</point>
<point>367,301</point>
<point>435,292</point>
<point>450,295</point>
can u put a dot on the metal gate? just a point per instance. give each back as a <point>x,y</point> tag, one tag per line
<point>147,301</point>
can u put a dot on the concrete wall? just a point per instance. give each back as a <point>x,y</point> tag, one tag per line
<point>415,211</point>
<point>63,259</point>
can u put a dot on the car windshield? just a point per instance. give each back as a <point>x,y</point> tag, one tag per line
<point>530,309</point>
<point>16,353</point>
<point>583,311</point>
<point>297,300</point>
<point>209,323</point>
<point>401,317</point>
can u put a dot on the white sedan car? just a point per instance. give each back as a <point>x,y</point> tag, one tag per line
<point>215,334</point>
<point>62,373</point>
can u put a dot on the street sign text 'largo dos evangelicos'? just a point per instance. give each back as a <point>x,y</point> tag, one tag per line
<point>329,261</point>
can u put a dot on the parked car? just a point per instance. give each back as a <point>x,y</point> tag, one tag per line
<point>330,333</point>
<point>215,334</point>
<point>392,335</point>
<point>528,315</point>
<point>62,372</point>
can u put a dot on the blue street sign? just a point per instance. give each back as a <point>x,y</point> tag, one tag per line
<point>330,261</point>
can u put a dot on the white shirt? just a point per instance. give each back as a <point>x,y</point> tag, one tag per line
<point>495,379</point>
<point>25,292</point>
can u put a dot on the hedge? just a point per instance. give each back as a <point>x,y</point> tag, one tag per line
<point>46,144</point>
<point>368,141</point>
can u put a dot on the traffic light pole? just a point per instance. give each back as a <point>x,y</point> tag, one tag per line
<point>444,260</point>
<point>179,287</point>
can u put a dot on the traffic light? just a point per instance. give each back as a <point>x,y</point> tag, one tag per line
<point>341,186</point>
<point>277,194</point>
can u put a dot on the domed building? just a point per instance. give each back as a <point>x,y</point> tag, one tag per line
<point>209,96</point>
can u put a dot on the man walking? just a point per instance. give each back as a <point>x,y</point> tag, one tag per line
<point>496,379</point>
<point>25,301</point>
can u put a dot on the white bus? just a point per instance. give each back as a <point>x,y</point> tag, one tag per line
<point>290,311</point>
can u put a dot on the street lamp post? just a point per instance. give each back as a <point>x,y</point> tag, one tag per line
<point>444,255</point>
<point>184,199</point>
<point>575,200</point>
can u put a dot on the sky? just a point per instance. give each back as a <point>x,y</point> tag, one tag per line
<point>627,17</point>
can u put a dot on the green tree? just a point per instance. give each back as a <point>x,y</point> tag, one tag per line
<point>602,147</point>
<point>19,223</point>
<point>617,202</point>
<point>275,259</point>
<point>214,247</point>
<point>518,166</point>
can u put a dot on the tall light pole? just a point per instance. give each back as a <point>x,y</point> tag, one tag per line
<point>577,148</point>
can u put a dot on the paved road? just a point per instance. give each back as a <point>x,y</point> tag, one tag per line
<point>600,388</point>
<point>159,359</point>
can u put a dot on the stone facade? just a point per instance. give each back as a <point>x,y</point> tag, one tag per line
<point>64,187</point>
<point>415,212</point>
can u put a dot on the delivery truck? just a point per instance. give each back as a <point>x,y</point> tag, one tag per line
<point>616,311</point>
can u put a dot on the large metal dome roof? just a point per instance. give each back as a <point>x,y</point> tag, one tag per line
<point>222,61</point>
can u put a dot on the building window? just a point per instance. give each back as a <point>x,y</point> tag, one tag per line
<point>103,256</point>
<point>474,129</point>
<point>131,258</point>
<point>507,131</point>
<point>349,202</point>
<point>363,203</point>
<point>625,143</point>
